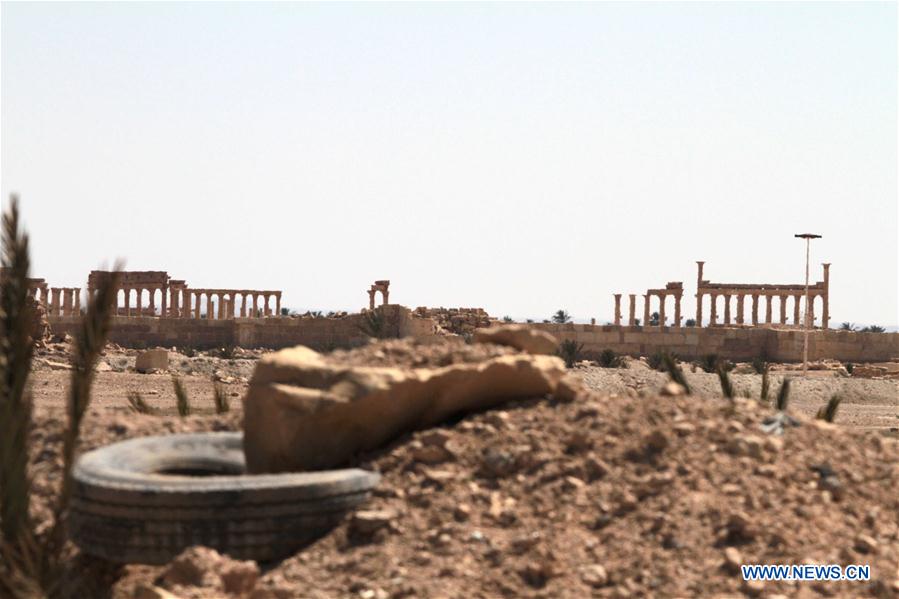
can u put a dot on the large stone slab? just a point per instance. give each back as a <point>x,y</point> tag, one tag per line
<point>302,412</point>
<point>154,359</point>
<point>519,336</point>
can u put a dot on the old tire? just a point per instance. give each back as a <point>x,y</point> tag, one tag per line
<point>146,499</point>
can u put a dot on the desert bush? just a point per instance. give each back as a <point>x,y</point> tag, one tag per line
<point>138,404</point>
<point>847,326</point>
<point>710,362</point>
<point>181,398</point>
<point>654,319</point>
<point>570,351</point>
<point>727,388</point>
<point>227,351</point>
<point>849,367</point>
<point>690,322</point>
<point>783,396</point>
<point>766,382</point>
<point>561,317</point>
<point>829,412</point>
<point>609,359</point>
<point>374,324</point>
<point>669,362</point>
<point>656,361</point>
<point>873,329</point>
<point>187,351</point>
<point>220,398</point>
<point>507,319</point>
<point>31,554</point>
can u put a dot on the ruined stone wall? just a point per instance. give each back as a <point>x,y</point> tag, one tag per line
<point>200,333</point>
<point>731,343</point>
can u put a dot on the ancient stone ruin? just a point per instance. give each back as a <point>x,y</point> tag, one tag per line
<point>177,300</point>
<point>384,288</point>
<point>729,294</point>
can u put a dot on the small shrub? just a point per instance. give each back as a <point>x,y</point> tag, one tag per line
<point>690,322</point>
<point>849,367</point>
<point>727,388</point>
<point>227,352</point>
<point>138,404</point>
<point>636,322</point>
<point>181,398</point>
<point>373,324</point>
<point>561,317</point>
<point>669,361</point>
<point>710,363</point>
<point>187,351</point>
<point>285,311</point>
<point>220,397</point>
<point>829,412</point>
<point>783,396</point>
<point>656,361</point>
<point>507,319</point>
<point>873,329</point>
<point>530,321</point>
<point>570,351</point>
<point>763,396</point>
<point>654,319</point>
<point>759,364</point>
<point>609,359</point>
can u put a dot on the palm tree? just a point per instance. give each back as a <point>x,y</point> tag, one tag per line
<point>847,326</point>
<point>561,317</point>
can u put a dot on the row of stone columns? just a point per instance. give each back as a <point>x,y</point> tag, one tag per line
<point>61,301</point>
<point>647,298</point>
<point>139,309</point>
<point>797,300</point>
<point>190,303</point>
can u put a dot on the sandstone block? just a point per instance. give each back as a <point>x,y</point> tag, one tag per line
<point>302,412</point>
<point>521,337</point>
<point>154,359</point>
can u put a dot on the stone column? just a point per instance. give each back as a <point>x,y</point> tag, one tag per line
<point>221,305</point>
<point>127,301</point>
<point>78,301</point>
<point>278,304</point>
<point>198,300</point>
<point>825,312</point>
<point>152,293</point>
<point>371,299</point>
<point>267,311</point>
<point>66,302</point>
<point>631,321</point>
<point>386,295</point>
<point>164,305</point>
<point>677,318</point>
<point>726,308</point>
<point>811,311</point>
<point>783,309</point>
<point>646,298</point>
<point>797,302</point>
<point>713,313</point>
<point>662,298</point>
<point>185,303</point>
<point>255,307</point>
<point>243,305</point>
<point>740,298</point>
<point>617,309</point>
<point>210,314</point>
<point>699,297</point>
<point>767,309</point>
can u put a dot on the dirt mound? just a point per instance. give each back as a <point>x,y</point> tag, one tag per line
<point>616,497</point>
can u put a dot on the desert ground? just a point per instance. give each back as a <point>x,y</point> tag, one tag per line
<point>617,492</point>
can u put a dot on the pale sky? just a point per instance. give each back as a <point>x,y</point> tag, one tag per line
<point>517,157</point>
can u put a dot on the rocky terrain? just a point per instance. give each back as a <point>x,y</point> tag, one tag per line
<point>620,492</point>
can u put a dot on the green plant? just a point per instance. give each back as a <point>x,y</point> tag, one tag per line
<point>690,322</point>
<point>31,556</point>
<point>181,399</point>
<point>570,351</point>
<point>847,326</point>
<point>530,321</point>
<point>636,322</point>
<point>656,360</point>
<point>220,397</point>
<point>561,317</point>
<point>609,359</point>
<point>374,324</point>
<point>783,396</point>
<point>138,404</point>
<point>760,362</point>
<point>829,412</point>
<point>285,311</point>
<point>727,388</point>
<point>507,319</point>
<point>227,351</point>
<point>669,361</point>
<point>710,362</point>
<point>654,319</point>
<point>873,329</point>
<point>850,367</point>
<point>763,396</point>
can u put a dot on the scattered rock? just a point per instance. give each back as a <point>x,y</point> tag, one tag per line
<point>367,522</point>
<point>519,336</point>
<point>672,389</point>
<point>150,360</point>
<point>594,575</point>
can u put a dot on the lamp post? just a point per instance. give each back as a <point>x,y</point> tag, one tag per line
<point>805,323</point>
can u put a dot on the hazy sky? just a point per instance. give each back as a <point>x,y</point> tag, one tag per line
<point>518,157</point>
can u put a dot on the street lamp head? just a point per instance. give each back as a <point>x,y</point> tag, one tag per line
<point>807,236</point>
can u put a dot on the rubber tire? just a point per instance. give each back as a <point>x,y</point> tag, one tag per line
<point>132,501</point>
